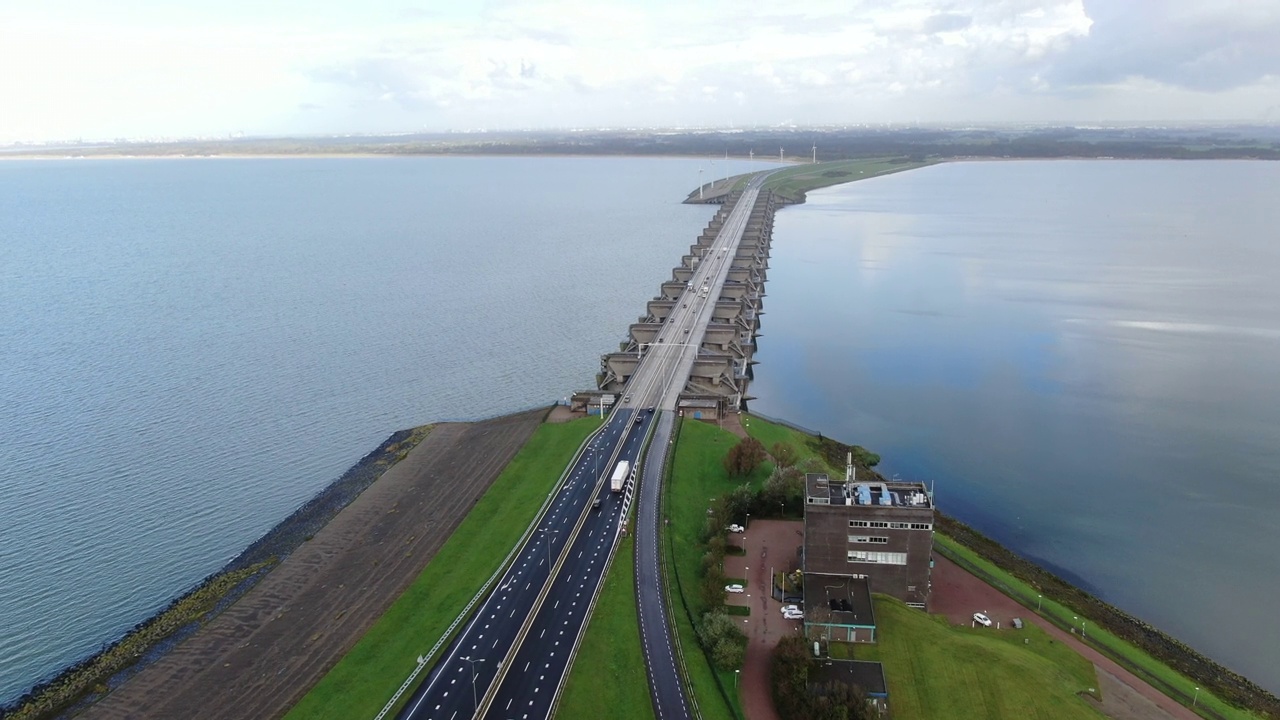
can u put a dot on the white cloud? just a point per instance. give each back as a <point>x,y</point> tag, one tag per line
<point>606,62</point>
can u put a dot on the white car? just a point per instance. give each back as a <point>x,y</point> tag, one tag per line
<point>982,620</point>
<point>793,615</point>
<point>734,588</point>
<point>790,609</point>
<point>736,529</point>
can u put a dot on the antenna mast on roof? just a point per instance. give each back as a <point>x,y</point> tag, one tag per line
<point>848,468</point>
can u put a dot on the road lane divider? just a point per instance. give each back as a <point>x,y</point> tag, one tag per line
<point>424,660</point>
<point>525,626</point>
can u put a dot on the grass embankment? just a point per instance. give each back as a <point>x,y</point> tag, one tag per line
<point>792,184</point>
<point>1155,672</point>
<point>770,434</point>
<point>608,675</point>
<point>994,563</point>
<point>362,682</point>
<point>935,670</point>
<point>697,477</point>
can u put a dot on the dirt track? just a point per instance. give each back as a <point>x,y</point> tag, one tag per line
<point>260,656</point>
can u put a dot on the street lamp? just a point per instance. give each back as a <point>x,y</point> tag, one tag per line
<point>546,536</point>
<point>1038,599</point>
<point>1196,699</point>
<point>735,679</point>
<point>474,699</point>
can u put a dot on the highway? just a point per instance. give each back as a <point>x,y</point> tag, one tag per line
<point>511,658</point>
<point>459,682</point>
<point>670,360</point>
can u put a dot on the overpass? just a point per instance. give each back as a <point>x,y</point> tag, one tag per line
<point>700,330</point>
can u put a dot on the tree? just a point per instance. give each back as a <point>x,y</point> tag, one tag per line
<point>723,641</point>
<point>784,454</point>
<point>743,458</point>
<point>789,677</point>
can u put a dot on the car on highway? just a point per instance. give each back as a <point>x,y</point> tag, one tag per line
<point>596,505</point>
<point>735,588</point>
<point>982,620</point>
<point>626,399</point>
<point>735,528</point>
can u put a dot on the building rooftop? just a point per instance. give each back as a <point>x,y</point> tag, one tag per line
<point>865,674</point>
<point>837,600</point>
<point>822,490</point>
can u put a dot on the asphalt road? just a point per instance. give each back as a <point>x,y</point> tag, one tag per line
<point>541,664</point>
<point>512,657</point>
<point>665,690</point>
<point>664,368</point>
<point>459,682</point>
<point>663,371</point>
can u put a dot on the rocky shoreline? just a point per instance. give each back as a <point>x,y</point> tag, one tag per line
<point>83,682</point>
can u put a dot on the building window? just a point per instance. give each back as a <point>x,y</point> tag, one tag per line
<point>858,523</point>
<point>877,524</point>
<point>921,526</point>
<point>868,539</point>
<point>899,525</point>
<point>882,558</point>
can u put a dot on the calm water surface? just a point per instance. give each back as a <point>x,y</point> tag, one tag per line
<point>191,349</point>
<point>1082,355</point>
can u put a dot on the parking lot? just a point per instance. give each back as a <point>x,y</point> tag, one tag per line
<point>769,544</point>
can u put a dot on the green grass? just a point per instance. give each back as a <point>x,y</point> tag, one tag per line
<point>1108,643</point>
<point>608,678</point>
<point>938,671</point>
<point>794,182</point>
<point>770,434</point>
<point>697,477</point>
<point>366,678</point>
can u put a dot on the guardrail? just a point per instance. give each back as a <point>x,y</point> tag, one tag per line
<point>668,463</point>
<point>604,575</point>
<point>553,572</point>
<point>724,692</point>
<point>424,660</point>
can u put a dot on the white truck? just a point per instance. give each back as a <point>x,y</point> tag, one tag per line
<point>619,476</point>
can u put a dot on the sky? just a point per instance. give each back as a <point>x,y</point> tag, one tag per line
<point>148,69</point>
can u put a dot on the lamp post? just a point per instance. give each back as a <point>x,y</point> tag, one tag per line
<point>735,678</point>
<point>474,699</point>
<point>546,536</point>
<point>1196,698</point>
<point>1038,599</point>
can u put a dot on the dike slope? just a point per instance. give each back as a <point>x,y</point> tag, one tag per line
<point>259,656</point>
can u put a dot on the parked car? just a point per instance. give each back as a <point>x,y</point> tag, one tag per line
<point>735,528</point>
<point>797,615</point>
<point>982,620</point>
<point>790,608</point>
<point>735,588</point>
